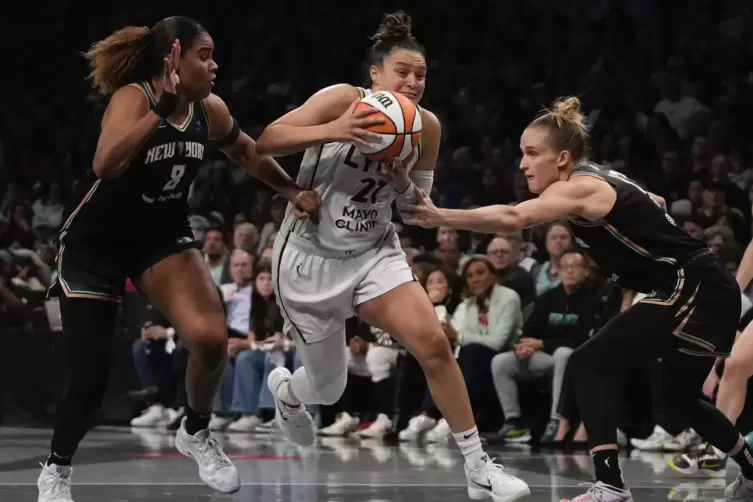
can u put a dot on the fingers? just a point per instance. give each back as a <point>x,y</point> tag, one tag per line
<point>368,121</point>
<point>175,53</point>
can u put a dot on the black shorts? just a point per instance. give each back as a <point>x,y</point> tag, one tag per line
<point>99,269</point>
<point>700,309</point>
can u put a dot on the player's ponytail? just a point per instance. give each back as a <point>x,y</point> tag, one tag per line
<point>119,59</point>
<point>394,33</point>
<point>567,127</point>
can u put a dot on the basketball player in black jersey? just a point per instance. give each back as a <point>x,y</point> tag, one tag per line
<point>161,120</point>
<point>689,315</point>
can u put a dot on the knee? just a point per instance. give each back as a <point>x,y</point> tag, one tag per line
<point>248,357</point>
<point>504,363</point>
<point>208,343</point>
<point>737,369</point>
<point>433,352</point>
<point>329,393</point>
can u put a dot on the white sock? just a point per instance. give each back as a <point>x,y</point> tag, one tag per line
<point>470,445</point>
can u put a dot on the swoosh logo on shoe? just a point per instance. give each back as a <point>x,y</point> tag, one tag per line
<point>488,487</point>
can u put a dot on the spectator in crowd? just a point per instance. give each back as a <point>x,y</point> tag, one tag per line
<point>246,237</point>
<point>503,256</point>
<point>216,254</point>
<point>562,319</point>
<point>237,402</point>
<point>558,238</point>
<point>488,320</point>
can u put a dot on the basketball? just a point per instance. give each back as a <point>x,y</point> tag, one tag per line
<point>401,130</point>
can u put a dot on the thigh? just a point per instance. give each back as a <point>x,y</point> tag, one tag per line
<point>313,292</point>
<point>381,273</point>
<point>89,273</point>
<point>406,313</point>
<point>181,287</point>
<point>637,335</point>
<point>87,332</point>
<point>540,364</point>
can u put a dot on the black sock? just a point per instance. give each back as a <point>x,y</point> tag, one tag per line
<point>744,459</point>
<point>195,421</point>
<point>607,466</point>
<point>54,459</point>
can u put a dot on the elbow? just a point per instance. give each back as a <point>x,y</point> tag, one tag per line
<point>265,145</point>
<point>104,168</point>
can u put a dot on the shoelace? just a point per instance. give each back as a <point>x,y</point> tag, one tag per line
<point>214,451</point>
<point>56,485</point>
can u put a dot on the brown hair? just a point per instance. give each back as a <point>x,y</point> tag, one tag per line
<point>137,52</point>
<point>566,126</point>
<point>393,33</point>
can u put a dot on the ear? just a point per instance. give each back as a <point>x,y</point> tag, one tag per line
<point>374,72</point>
<point>563,159</point>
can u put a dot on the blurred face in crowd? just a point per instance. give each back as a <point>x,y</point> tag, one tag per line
<point>437,286</point>
<point>716,242</point>
<point>557,240</point>
<point>267,253</point>
<point>479,278</point>
<point>695,192</point>
<point>699,147</point>
<point>263,284</point>
<point>719,167</point>
<point>410,254</point>
<point>670,162</point>
<point>402,71</point>
<point>239,219</point>
<point>446,235</point>
<point>214,247</point>
<point>499,253</point>
<point>541,164</point>
<point>573,270</point>
<point>277,211</point>
<point>240,267</point>
<point>693,229</point>
<point>244,237</point>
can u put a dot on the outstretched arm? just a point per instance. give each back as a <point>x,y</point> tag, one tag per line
<point>587,197</point>
<point>241,148</point>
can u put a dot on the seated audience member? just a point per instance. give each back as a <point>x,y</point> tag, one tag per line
<point>487,321</point>
<point>159,359</point>
<point>215,254</point>
<point>558,238</point>
<point>561,320</point>
<point>501,254</point>
<point>239,391</point>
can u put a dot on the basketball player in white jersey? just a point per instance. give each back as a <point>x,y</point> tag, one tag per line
<point>351,260</point>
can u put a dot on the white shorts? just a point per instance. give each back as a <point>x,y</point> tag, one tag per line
<point>317,293</point>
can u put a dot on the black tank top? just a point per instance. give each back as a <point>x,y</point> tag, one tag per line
<point>151,194</point>
<point>638,244</point>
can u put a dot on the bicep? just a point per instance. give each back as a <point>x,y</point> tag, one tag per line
<point>126,107</point>
<point>324,106</point>
<point>431,139</point>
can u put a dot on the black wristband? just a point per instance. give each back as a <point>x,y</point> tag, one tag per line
<point>166,105</point>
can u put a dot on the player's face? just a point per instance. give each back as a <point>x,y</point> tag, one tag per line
<point>197,68</point>
<point>403,71</point>
<point>540,163</point>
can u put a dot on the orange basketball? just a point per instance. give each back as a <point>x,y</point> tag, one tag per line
<point>401,130</point>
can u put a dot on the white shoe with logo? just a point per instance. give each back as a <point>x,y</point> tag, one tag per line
<point>602,492</point>
<point>491,481</point>
<point>215,468</point>
<point>55,483</point>
<point>296,423</point>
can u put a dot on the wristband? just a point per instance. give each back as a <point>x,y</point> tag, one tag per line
<point>166,105</point>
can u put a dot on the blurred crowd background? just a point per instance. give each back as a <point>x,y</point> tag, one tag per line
<point>668,93</point>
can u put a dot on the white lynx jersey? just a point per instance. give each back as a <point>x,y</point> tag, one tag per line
<point>356,200</point>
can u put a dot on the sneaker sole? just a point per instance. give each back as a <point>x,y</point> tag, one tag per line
<point>186,452</point>
<point>478,494</point>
